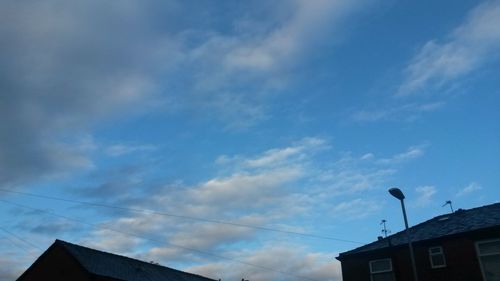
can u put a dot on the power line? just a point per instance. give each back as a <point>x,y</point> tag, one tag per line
<point>303,234</point>
<point>159,242</point>
<point>21,239</point>
<point>16,244</point>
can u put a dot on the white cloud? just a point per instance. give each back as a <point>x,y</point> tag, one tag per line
<point>356,209</point>
<point>123,149</point>
<point>247,196</point>
<point>13,255</point>
<point>472,187</point>
<point>425,195</point>
<point>439,64</point>
<point>367,156</point>
<point>66,72</point>
<point>10,268</point>
<point>406,112</point>
<point>273,156</point>
<point>289,262</point>
<point>254,195</point>
<point>354,180</point>
<point>260,190</point>
<point>244,190</point>
<point>367,172</point>
<point>109,240</point>
<point>259,56</point>
<point>308,19</point>
<point>295,153</point>
<point>71,65</point>
<point>412,152</point>
<point>475,42</point>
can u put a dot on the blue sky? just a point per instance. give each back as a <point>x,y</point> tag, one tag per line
<point>289,115</point>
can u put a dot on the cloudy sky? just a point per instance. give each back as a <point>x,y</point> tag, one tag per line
<point>241,139</point>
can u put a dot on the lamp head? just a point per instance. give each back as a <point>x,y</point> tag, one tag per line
<point>396,192</point>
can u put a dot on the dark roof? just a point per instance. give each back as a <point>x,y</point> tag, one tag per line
<point>461,221</point>
<point>124,268</point>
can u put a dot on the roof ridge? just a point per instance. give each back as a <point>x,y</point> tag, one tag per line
<point>459,211</point>
<point>478,207</point>
<point>391,238</point>
<point>65,244</point>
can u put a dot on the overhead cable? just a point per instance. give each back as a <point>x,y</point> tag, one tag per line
<point>20,239</point>
<point>153,212</point>
<point>161,242</point>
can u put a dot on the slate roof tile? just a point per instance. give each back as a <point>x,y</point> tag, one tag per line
<point>458,222</point>
<point>125,268</point>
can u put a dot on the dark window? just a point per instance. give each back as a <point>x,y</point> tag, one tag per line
<point>436,256</point>
<point>381,270</point>
<point>489,256</point>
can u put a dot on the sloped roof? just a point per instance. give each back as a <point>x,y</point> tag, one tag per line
<point>461,221</point>
<point>124,268</point>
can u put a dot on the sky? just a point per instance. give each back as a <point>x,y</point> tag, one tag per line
<point>241,139</point>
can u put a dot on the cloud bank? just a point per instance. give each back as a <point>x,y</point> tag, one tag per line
<point>67,66</point>
<point>471,45</point>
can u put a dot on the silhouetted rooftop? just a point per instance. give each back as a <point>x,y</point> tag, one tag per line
<point>461,221</point>
<point>125,268</point>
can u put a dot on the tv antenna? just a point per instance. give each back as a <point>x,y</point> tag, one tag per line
<point>448,202</point>
<point>384,230</point>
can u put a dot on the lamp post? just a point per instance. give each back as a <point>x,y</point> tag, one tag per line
<point>397,193</point>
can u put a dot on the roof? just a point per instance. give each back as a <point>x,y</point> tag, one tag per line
<point>124,268</point>
<point>459,222</point>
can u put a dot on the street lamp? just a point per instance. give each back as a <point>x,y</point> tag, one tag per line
<point>397,193</point>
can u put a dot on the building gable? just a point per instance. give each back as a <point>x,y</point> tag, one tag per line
<point>64,261</point>
<point>55,264</point>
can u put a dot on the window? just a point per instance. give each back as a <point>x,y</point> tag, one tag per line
<point>488,253</point>
<point>436,256</point>
<point>381,270</point>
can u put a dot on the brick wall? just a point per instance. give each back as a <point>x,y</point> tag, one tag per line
<point>460,253</point>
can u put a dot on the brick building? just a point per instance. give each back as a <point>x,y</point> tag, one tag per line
<point>460,246</point>
<point>64,261</point>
